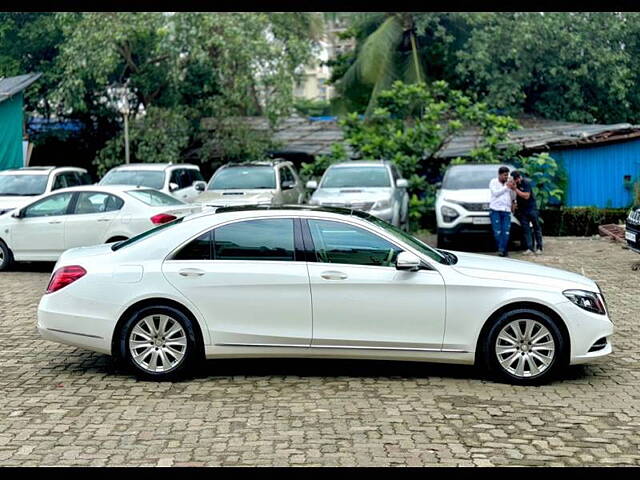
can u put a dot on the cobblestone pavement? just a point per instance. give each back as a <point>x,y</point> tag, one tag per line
<point>63,406</point>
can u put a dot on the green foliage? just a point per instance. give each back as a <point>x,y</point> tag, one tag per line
<point>160,136</point>
<point>315,169</point>
<point>312,108</point>
<point>579,221</point>
<point>548,179</point>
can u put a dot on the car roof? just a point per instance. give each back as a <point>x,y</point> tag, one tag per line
<point>155,166</point>
<point>484,166</point>
<point>361,163</point>
<point>265,163</point>
<point>40,170</point>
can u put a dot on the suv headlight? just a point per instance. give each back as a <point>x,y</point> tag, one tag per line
<point>588,301</point>
<point>381,204</point>
<point>448,214</point>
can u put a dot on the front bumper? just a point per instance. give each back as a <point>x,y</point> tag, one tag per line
<point>586,330</point>
<point>634,229</point>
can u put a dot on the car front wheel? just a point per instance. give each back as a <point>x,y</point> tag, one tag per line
<point>158,343</point>
<point>524,347</point>
<point>6,257</point>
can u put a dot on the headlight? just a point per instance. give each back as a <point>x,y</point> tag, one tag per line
<point>588,301</point>
<point>382,204</point>
<point>448,214</point>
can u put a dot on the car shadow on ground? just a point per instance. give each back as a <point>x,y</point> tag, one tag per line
<point>37,267</point>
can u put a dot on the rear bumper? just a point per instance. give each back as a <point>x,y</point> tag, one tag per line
<point>635,246</point>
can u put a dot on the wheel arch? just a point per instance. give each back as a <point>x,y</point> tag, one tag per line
<point>155,302</point>
<point>116,238</point>
<point>519,306</point>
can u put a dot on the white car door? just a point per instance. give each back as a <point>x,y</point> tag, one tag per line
<point>246,280</point>
<point>360,300</point>
<point>90,219</point>
<point>39,233</point>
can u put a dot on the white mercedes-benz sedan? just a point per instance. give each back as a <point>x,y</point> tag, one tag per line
<point>82,216</point>
<point>317,282</point>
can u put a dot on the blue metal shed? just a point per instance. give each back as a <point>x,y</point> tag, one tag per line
<point>601,176</point>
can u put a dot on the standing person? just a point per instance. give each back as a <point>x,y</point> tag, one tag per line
<point>527,213</point>
<point>502,196</point>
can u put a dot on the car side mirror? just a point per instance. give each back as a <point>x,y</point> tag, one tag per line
<point>17,214</point>
<point>173,187</point>
<point>199,185</point>
<point>287,185</point>
<point>407,261</point>
<point>402,183</point>
<point>312,185</point>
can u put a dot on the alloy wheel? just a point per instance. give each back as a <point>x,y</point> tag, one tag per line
<point>157,343</point>
<point>525,348</point>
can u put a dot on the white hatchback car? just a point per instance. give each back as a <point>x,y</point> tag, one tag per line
<point>180,180</point>
<point>81,216</point>
<point>314,282</point>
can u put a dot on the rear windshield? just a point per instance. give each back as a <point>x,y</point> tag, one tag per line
<point>469,177</point>
<point>14,185</point>
<point>244,178</point>
<point>346,177</point>
<point>143,235</point>
<point>154,198</point>
<point>140,178</point>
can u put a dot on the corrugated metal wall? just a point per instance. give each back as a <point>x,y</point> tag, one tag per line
<point>596,174</point>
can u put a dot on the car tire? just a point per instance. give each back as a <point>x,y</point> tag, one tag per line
<point>524,347</point>
<point>178,352</point>
<point>6,256</point>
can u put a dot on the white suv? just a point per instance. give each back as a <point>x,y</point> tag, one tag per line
<point>183,181</point>
<point>21,185</point>
<point>462,203</point>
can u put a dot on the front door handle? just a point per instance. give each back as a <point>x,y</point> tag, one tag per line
<point>191,272</point>
<point>104,219</point>
<point>55,222</point>
<point>333,275</point>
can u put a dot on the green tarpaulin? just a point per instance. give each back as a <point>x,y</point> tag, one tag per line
<point>11,133</point>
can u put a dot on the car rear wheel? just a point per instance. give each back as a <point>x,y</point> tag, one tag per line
<point>524,347</point>
<point>6,257</point>
<point>158,343</point>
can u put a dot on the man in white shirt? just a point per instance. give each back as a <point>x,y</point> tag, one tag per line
<point>502,197</point>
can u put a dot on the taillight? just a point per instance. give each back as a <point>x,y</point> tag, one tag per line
<point>162,218</point>
<point>64,276</point>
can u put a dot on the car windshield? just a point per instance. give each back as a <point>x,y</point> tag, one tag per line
<point>244,178</point>
<point>154,198</point>
<point>16,185</point>
<point>469,177</point>
<point>349,177</point>
<point>143,235</point>
<point>141,178</point>
<point>406,238</point>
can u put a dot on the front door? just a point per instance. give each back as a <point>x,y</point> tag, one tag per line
<point>360,300</point>
<point>247,282</point>
<point>39,233</point>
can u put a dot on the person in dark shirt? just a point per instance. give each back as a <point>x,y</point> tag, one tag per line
<point>527,213</point>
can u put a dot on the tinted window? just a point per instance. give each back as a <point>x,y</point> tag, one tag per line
<point>270,239</point>
<point>181,178</point>
<point>468,176</point>
<point>139,178</point>
<point>244,178</point>
<point>85,179</point>
<point>347,177</point>
<point>73,179</point>
<point>23,184</point>
<point>50,206</point>
<point>337,242</point>
<point>97,202</point>
<point>154,198</point>
<point>198,249</point>
<point>195,175</point>
<point>286,176</point>
<point>60,182</point>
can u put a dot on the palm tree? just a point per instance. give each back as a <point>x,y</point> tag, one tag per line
<point>387,53</point>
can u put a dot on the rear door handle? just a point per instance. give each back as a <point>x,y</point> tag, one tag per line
<point>104,219</point>
<point>54,222</point>
<point>333,275</point>
<point>191,272</point>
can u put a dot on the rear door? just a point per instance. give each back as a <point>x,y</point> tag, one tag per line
<point>90,218</point>
<point>249,281</point>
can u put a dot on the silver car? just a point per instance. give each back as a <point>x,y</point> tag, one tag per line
<point>375,187</point>
<point>264,183</point>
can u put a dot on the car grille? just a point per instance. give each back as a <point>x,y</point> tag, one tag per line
<point>355,205</point>
<point>475,207</point>
<point>634,218</point>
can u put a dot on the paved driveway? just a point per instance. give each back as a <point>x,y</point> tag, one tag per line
<point>63,406</point>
